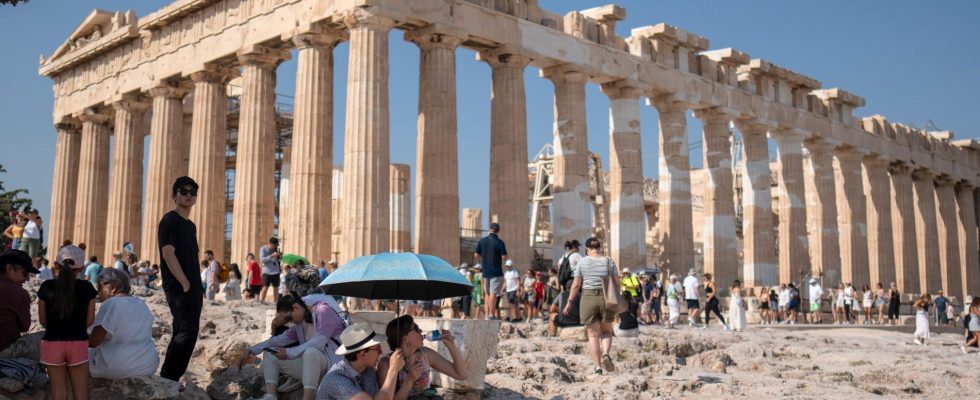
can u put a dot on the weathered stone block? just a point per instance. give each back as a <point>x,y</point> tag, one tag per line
<point>477,341</point>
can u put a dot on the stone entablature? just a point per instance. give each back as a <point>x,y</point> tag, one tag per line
<point>114,54</point>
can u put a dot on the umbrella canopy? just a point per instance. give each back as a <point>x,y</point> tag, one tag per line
<point>397,276</point>
<point>291,259</point>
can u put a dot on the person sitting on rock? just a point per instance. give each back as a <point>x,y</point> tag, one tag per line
<point>314,328</point>
<point>414,378</point>
<point>356,376</point>
<point>122,335</point>
<point>15,302</point>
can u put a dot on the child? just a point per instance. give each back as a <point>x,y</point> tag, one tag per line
<point>66,307</point>
<point>233,289</point>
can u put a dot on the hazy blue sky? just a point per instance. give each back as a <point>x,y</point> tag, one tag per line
<point>912,60</point>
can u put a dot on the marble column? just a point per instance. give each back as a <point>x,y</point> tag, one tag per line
<point>472,223</point>
<point>255,158</point>
<point>209,137</point>
<point>126,179</point>
<point>852,216</point>
<point>949,240</point>
<point>720,242</point>
<point>927,231</point>
<point>64,185</point>
<point>676,225</point>
<point>822,212</point>
<point>92,198</point>
<point>627,220</point>
<point>365,198</point>
<point>758,247</point>
<point>307,226</point>
<point>968,245</point>
<point>437,169</point>
<point>401,209</point>
<point>571,206</point>
<point>904,229</point>
<point>163,165</point>
<point>881,248</point>
<point>794,246</point>
<point>509,202</point>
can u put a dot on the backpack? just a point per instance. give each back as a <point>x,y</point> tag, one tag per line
<point>565,273</point>
<point>224,273</point>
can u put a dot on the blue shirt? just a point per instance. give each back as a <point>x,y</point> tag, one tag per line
<point>343,382</point>
<point>491,250</point>
<point>323,273</point>
<point>270,265</point>
<point>92,272</point>
<point>941,303</point>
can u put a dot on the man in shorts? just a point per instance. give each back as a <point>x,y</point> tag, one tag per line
<point>269,259</point>
<point>692,289</point>
<point>816,295</point>
<point>491,253</point>
<point>514,292</point>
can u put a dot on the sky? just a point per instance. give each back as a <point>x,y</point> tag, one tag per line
<point>913,61</point>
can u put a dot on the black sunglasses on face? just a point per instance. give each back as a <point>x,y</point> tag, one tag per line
<point>187,192</point>
<point>417,329</point>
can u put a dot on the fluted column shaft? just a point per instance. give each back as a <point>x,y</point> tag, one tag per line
<point>209,136</point>
<point>627,221</point>
<point>720,242</point>
<point>676,228</point>
<point>365,200</point>
<point>163,166</point>
<point>64,185</point>
<point>822,213</point>
<point>436,163</point>
<point>255,158</point>
<point>125,182</point>
<point>881,248</point>
<point>852,220</point>
<point>508,154</point>
<point>759,253</point>
<point>904,229</point>
<point>307,225</point>
<point>401,209</point>
<point>570,209</point>
<point>949,240</point>
<point>93,179</point>
<point>926,231</point>
<point>794,246</point>
<point>472,222</point>
<point>968,245</point>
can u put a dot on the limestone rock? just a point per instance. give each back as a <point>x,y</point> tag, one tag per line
<point>476,339</point>
<point>224,353</point>
<point>11,385</point>
<point>149,387</point>
<point>141,291</point>
<point>573,333</point>
<point>714,360</point>
<point>231,384</point>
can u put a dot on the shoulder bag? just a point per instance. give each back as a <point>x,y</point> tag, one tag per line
<point>610,291</point>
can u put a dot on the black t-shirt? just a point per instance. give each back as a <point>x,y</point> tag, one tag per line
<point>627,320</point>
<point>491,250</point>
<point>181,233</point>
<point>75,326</point>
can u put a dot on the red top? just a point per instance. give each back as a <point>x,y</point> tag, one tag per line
<point>538,287</point>
<point>255,274</point>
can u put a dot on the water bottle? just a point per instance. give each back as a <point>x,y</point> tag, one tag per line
<point>433,336</point>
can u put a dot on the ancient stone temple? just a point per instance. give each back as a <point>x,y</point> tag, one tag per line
<point>848,199</point>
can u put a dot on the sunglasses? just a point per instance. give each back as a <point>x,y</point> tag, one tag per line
<point>417,329</point>
<point>187,192</point>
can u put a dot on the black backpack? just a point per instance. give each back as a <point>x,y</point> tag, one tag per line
<point>565,273</point>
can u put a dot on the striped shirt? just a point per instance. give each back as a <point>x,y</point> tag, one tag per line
<point>343,382</point>
<point>593,269</point>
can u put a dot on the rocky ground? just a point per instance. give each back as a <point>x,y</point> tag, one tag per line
<point>763,362</point>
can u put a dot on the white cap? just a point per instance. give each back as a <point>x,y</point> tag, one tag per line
<point>626,270</point>
<point>509,263</point>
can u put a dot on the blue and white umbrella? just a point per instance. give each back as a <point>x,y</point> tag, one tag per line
<point>397,276</point>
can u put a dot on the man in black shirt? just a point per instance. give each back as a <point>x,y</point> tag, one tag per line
<point>177,239</point>
<point>491,253</point>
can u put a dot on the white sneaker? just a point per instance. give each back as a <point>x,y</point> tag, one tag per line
<point>727,328</point>
<point>963,349</point>
<point>917,341</point>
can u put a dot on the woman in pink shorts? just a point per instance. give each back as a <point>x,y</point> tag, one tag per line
<point>66,307</point>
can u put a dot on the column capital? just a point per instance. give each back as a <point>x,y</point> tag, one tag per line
<point>317,36</point>
<point>965,186</point>
<point>564,73</point>
<point>819,145</point>
<point>922,174</point>
<point>621,89</point>
<point>787,134</point>
<point>136,104</point>
<point>68,125</point>
<point>437,36</point>
<point>899,167</point>
<point>668,103</point>
<point>93,116</point>
<point>215,73</point>
<point>849,153</point>
<point>716,114</point>
<point>262,56</point>
<point>169,90</point>
<point>876,160</point>
<point>365,18</point>
<point>944,180</point>
<point>754,125</point>
<point>504,56</point>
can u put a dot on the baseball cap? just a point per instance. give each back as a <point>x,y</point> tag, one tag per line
<point>19,258</point>
<point>509,263</point>
<point>73,253</point>
<point>181,182</point>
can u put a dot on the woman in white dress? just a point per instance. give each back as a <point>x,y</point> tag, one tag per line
<point>866,304</point>
<point>674,291</point>
<point>233,289</point>
<point>121,342</point>
<point>736,310</point>
<point>921,307</point>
